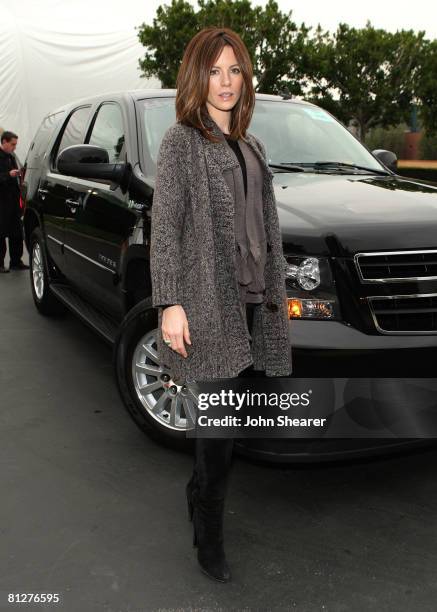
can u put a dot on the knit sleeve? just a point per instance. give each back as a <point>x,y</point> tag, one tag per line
<point>167,218</point>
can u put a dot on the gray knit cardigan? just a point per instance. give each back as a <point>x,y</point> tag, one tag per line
<point>192,262</point>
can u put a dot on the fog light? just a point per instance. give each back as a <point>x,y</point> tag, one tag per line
<point>294,308</point>
<point>309,309</point>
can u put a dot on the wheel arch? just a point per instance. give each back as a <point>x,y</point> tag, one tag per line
<point>30,222</point>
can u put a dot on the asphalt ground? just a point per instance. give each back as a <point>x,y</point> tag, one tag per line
<point>95,511</point>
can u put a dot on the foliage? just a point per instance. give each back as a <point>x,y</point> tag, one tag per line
<point>366,75</point>
<point>428,146</point>
<point>426,89</point>
<point>391,139</point>
<point>172,29</point>
<point>273,40</point>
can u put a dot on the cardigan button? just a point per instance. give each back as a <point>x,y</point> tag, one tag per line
<point>272,306</point>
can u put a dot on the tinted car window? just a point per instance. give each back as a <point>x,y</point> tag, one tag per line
<point>157,115</point>
<point>291,133</point>
<point>41,141</point>
<point>74,131</point>
<point>294,133</point>
<point>108,131</point>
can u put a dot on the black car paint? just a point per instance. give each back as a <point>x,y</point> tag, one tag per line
<point>102,246</point>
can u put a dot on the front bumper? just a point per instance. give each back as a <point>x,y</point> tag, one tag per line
<point>336,335</point>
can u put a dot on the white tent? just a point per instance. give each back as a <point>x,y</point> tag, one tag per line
<point>57,51</point>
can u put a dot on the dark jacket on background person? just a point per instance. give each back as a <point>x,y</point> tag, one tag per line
<point>9,194</point>
<point>193,261</point>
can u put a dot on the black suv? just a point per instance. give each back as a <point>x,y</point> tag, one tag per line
<point>360,241</point>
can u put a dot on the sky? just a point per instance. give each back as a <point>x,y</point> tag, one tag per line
<point>388,14</point>
<point>56,36</point>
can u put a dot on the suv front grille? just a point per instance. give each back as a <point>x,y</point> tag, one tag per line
<point>396,266</point>
<point>405,314</point>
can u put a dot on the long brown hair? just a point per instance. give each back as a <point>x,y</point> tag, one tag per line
<point>193,81</point>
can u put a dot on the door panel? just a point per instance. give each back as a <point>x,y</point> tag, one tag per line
<point>53,188</point>
<point>95,231</point>
<point>52,192</point>
<point>98,220</point>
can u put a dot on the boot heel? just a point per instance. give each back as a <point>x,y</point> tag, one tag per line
<point>194,536</point>
<point>208,538</point>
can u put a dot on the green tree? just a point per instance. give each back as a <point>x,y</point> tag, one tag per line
<point>427,88</point>
<point>391,139</point>
<point>428,146</point>
<point>274,41</point>
<point>367,74</point>
<point>172,29</point>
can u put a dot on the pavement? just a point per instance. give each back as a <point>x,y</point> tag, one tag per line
<point>94,510</point>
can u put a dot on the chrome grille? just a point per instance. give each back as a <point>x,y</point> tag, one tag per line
<point>396,266</point>
<point>405,314</point>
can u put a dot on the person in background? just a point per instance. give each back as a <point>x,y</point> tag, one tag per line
<point>10,212</point>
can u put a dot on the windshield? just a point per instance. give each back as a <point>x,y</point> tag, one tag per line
<point>292,133</point>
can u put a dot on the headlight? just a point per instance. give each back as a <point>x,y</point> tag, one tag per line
<point>307,274</point>
<point>310,288</point>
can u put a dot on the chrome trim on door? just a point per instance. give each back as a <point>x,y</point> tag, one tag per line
<point>93,261</point>
<point>54,239</point>
<point>57,177</point>
<point>81,182</point>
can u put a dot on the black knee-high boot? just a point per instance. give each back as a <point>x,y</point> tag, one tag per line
<point>211,471</point>
<point>206,492</point>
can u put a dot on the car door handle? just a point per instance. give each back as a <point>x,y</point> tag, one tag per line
<point>73,203</point>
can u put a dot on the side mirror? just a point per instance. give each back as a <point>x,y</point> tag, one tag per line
<point>90,162</point>
<point>388,158</point>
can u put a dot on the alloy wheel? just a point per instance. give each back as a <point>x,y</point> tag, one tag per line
<point>37,271</point>
<point>172,405</point>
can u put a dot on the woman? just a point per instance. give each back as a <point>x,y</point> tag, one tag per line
<point>217,266</point>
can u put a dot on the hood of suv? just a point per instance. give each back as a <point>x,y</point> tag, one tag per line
<point>361,212</point>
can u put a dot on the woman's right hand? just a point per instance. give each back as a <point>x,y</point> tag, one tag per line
<point>174,327</point>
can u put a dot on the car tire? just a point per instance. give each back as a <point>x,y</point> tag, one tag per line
<point>158,412</point>
<point>45,301</point>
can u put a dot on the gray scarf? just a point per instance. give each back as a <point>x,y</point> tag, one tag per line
<point>250,235</point>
